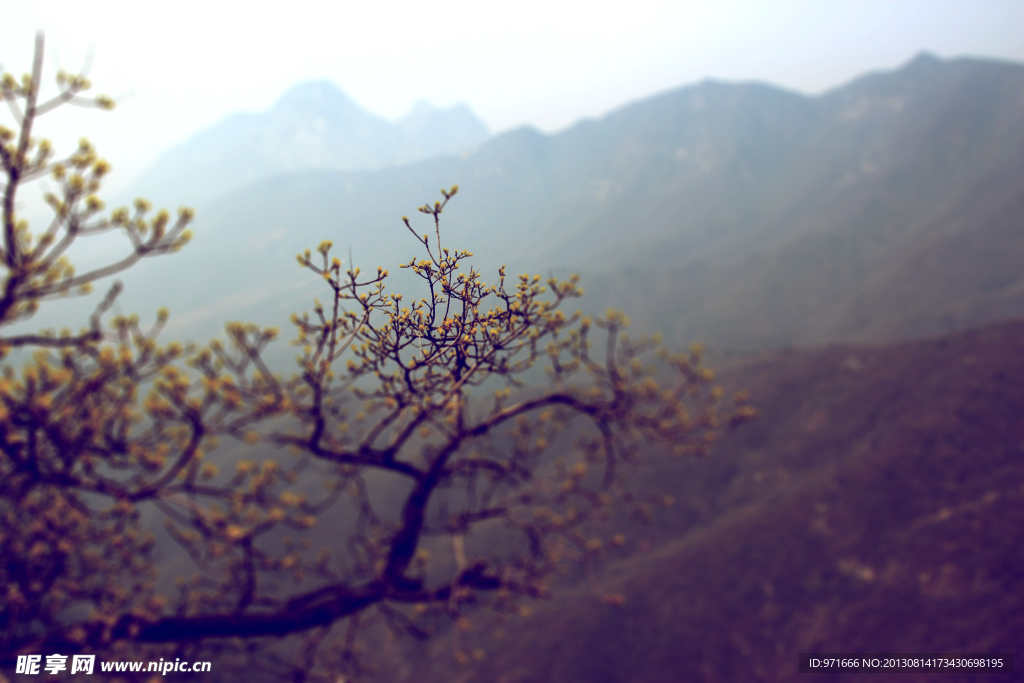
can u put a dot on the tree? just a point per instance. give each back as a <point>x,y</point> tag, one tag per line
<point>386,413</point>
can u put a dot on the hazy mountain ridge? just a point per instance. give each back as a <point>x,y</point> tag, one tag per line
<point>882,222</point>
<point>739,214</point>
<point>314,125</point>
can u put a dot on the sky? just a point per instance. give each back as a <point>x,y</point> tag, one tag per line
<point>177,67</point>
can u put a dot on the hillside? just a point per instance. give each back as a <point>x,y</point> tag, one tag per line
<point>877,506</point>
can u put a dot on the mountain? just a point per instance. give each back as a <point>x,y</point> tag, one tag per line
<point>877,506</point>
<point>314,125</point>
<point>427,131</point>
<point>739,214</point>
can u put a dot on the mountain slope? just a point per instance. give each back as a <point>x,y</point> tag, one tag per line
<point>877,506</point>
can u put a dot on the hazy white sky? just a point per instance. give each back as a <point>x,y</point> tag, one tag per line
<point>548,63</point>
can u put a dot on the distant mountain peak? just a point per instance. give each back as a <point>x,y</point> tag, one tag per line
<point>313,125</point>
<point>316,93</point>
<point>421,108</point>
<point>923,59</point>
<point>440,128</point>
